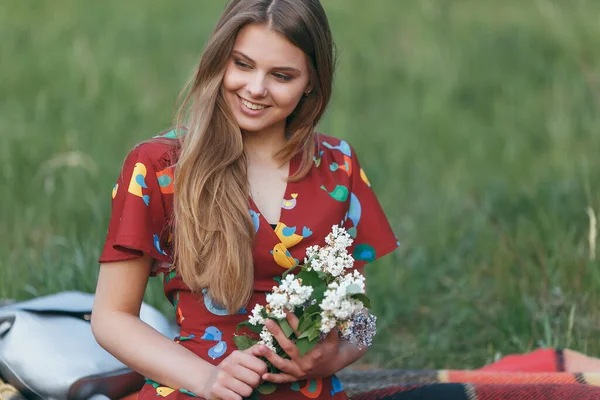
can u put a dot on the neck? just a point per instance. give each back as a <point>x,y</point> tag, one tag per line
<point>261,146</point>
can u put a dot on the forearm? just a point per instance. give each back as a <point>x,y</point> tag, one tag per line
<point>145,350</point>
<point>348,353</point>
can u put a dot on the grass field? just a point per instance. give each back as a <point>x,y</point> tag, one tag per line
<point>477,122</point>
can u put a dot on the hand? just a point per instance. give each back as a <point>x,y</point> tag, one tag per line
<point>319,362</point>
<point>237,375</point>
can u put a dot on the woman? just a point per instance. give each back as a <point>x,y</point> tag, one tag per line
<point>225,205</point>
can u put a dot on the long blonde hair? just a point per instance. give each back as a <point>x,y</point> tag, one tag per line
<point>213,231</point>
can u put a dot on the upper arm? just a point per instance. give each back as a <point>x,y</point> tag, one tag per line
<point>121,286</point>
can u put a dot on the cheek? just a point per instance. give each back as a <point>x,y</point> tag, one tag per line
<point>232,80</point>
<point>287,97</point>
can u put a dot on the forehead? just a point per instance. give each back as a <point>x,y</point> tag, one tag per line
<point>268,48</point>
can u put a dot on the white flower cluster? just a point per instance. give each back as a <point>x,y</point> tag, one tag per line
<point>287,296</point>
<point>332,259</point>
<point>337,305</point>
<point>266,338</point>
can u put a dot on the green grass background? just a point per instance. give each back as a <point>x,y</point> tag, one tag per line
<point>476,120</point>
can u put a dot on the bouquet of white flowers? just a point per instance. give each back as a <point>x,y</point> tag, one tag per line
<point>324,295</point>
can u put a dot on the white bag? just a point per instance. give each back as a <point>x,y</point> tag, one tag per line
<point>47,350</point>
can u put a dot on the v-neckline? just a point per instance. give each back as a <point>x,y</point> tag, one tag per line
<point>293,167</point>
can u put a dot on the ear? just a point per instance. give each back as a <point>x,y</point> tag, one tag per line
<point>309,88</point>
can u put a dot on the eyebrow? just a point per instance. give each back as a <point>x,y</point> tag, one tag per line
<point>289,69</point>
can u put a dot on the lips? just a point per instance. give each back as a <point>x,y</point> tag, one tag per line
<point>250,109</point>
<point>252,106</point>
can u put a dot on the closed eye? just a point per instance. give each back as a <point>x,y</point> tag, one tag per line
<point>241,64</point>
<point>283,77</point>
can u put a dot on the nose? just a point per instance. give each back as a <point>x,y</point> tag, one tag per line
<point>256,86</point>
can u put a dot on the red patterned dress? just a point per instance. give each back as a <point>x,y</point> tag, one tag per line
<point>336,191</point>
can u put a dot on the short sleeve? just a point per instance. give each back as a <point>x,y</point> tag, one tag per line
<point>138,218</point>
<point>366,221</point>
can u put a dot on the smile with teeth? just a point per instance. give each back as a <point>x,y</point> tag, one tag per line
<point>252,106</point>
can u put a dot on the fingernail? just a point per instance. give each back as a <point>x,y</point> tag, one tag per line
<point>269,323</point>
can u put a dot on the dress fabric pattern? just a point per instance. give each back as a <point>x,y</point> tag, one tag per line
<point>335,191</point>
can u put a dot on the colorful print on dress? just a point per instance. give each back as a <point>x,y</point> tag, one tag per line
<point>288,235</point>
<point>283,257</point>
<point>363,176</point>
<point>171,273</point>
<point>166,181</point>
<point>115,190</point>
<point>138,182</point>
<point>267,388</point>
<point>354,213</point>
<point>157,245</point>
<point>164,391</point>
<point>347,166</point>
<point>340,193</point>
<point>255,220</point>
<point>364,252</point>
<point>214,334</point>
<point>178,313</point>
<point>336,385</point>
<point>179,339</point>
<point>217,309</point>
<point>311,389</point>
<point>317,160</point>
<point>344,147</point>
<point>172,134</point>
<point>289,204</point>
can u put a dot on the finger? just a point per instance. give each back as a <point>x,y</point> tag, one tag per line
<point>239,387</point>
<point>279,378</point>
<point>249,358</point>
<point>311,359</point>
<point>247,376</point>
<point>293,321</point>
<point>286,366</point>
<point>286,344</point>
<point>333,336</point>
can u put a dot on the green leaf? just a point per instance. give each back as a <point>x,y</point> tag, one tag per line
<point>246,324</point>
<point>311,333</point>
<point>353,289</point>
<point>363,298</point>
<point>285,327</point>
<point>305,345</point>
<point>310,278</point>
<point>319,292</point>
<point>304,334</point>
<point>311,310</point>
<point>305,323</point>
<point>244,342</point>
<point>314,333</point>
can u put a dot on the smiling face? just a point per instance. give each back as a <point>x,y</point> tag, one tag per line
<point>265,78</point>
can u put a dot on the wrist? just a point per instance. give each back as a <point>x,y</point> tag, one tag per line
<point>202,383</point>
<point>348,354</point>
<point>339,361</point>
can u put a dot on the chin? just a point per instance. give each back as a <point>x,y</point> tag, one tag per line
<point>251,127</point>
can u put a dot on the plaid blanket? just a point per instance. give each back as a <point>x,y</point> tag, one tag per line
<point>547,374</point>
<point>544,374</point>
